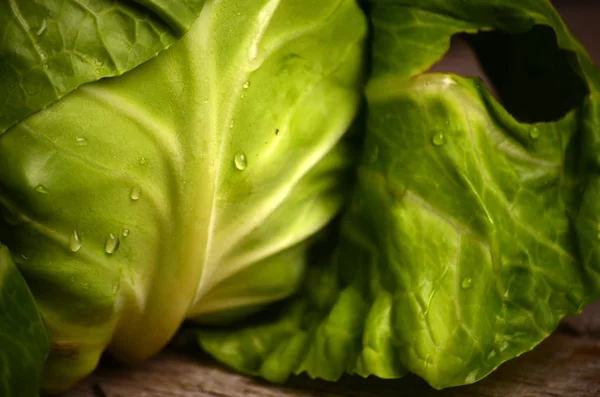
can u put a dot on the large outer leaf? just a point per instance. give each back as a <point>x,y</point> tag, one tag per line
<point>470,234</point>
<point>189,186</point>
<point>23,339</point>
<point>50,47</point>
<point>478,250</point>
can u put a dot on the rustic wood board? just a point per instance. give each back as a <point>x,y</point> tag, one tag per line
<point>566,364</point>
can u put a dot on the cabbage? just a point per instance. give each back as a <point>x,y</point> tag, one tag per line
<point>190,186</point>
<point>471,231</point>
<point>210,163</point>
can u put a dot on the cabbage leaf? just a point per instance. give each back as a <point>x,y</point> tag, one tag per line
<point>22,334</point>
<point>50,47</point>
<point>470,233</point>
<point>190,186</point>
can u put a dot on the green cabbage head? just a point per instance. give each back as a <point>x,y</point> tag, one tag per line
<point>188,187</point>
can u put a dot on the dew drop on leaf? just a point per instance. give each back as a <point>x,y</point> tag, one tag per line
<point>534,133</point>
<point>41,189</point>
<point>438,139</point>
<point>135,193</point>
<point>111,244</point>
<point>75,241</point>
<point>240,161</point>
<point>466,283</point>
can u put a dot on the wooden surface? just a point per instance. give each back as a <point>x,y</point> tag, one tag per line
<point>566,364</point>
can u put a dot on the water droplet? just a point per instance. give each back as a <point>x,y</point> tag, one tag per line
<point>42,28</point>
<point>125,232</point>
<point>466,283</point>
<point>75,241</point>
<point>41,189</point>
<point>81,141</point>
<point>374,154</point>
<point>205,100</point>
<point>246,85</point>
<point>242,96</point>
<point>72,279</point>
<point>231,124</point>
<point>142,161</point>
<point>135,193</point>
<point>240,161</point>
<point>438,139</point>
<point>534,132</point>
<point>111,244</point>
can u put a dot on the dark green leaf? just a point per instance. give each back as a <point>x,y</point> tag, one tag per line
<point>23,339</point>
<point>50,47</point>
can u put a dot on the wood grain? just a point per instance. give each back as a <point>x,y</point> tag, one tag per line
<point>566,364</point>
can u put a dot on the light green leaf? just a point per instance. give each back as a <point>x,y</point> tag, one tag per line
<point>470,234</point>
<point>325,331</point>
<point>478,248</point>
<point>190,186</point>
